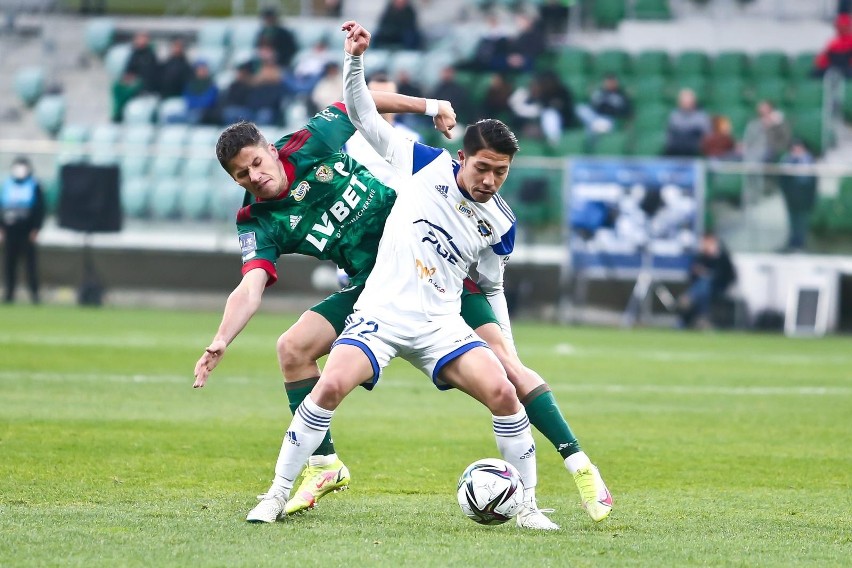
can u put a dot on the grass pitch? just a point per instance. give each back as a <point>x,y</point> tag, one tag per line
<point>719,450</point>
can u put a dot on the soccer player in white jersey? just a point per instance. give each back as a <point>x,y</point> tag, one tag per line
<point>448,220</point>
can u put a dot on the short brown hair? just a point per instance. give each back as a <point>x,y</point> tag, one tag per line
<point>236,137</point>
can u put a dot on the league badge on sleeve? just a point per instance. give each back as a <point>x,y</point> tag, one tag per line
<point>248,246</point>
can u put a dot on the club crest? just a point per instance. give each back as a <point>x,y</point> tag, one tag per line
<point>484,228</point>
<point>324,174</point>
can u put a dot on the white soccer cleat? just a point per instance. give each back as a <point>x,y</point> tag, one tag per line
<point>269,510</point>
<point>531,517</point>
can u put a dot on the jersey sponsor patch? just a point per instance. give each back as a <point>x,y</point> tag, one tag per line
<point>248,246</point>
<point>324,174</point>
<point>464,208</point>
<point>301,191</point>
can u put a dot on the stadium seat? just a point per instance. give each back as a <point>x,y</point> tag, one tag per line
<point>651,89</point>
<point>651,117</point>
<point>690,63</point>
<point>311,32</point>
<point>194,199</point>
<point>170,110</point>
<point>727,91</point>
<point>134,166</point>
<point>652,10</point>
<point>739,116</point>
<point>807,94</point>
<point>164,197</point>
<point>729,64</point>
<point>50,113</point>
<point>99,35</point>
<point>572,62</point>
<point>166,165</point>
<point>769,65</point>
<point>771,89</point>
<point>74,133</point>
<point>71,138</point>
<point>648,143</point>
<point>243,35</point>
<point>172,136</point>
<point>697,83</point>
<point>197,167</point>
<point>615,61</point>
<point>141,110</point>
<point>651,63</point>
<point>116,60</point>
<point>808,125</point>
<point>204,138</point>
<point>410,61</point>
<point>608,13</point>
<point>724,187</point>
<point>611,144</point>
<point>227,198</point>
<point>213,34</point>
<point>571,143</point>
<point>532,147</point>
<point>135,196</point>
<point>29,84</point>
<point>103,144</point>
<point>432,65</point>
<point>213,56</point>
<point>138,135</point>
<point>802,65</point>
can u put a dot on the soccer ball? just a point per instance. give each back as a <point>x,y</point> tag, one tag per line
<point>490,491</point>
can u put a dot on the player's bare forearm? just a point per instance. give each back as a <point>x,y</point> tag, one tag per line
<point>242,304</point>
<point>445,119</point>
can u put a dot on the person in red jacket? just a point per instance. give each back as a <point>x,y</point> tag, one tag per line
<point>838,53</point>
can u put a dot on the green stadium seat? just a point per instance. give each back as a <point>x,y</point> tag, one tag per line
<point>165,194</point>
<point>724,187</point>
<point>172,136</point>
<point>614,143</point>
<point>71,139</point>
<point>166,165</point>
<point>103,144</point>
<point>612,61</point>
<point>651,63</point>
<point>197,167</point>
<point>227,198</point>
<point>29,84</point>
<point>194,199</point>
<point>99,35</point>
<point>808,126</point>
<point>116,59</point>
<point>652,10</point>
<point>608,13</point>
<point>409,61</point>
<point>807,95</point>
<point>213,34</point>
<point>138,135</point>
<point>311,32</point>
<point>802,65</point>
<point>739,117</point>
<point>532,147</point>
<point>727,91</point>
<point>379,59</point>
<point>141,110</point>
<point>769,65</point>
<point>172,109</point>
<point>771,89</point>
<point>572,62</point>
<point>135,196</point>
<point>648,143</point>
<point>650,89</point>
<point>699,84</point>
<point>651,118</point>
<point>74,133</point>
<point>134,166</point>
<point>690,64</point>
<point>50,113</point>
<point>571,143</point>
<point>205,138</point>
<point>729,64</point>
<point>213,56</point>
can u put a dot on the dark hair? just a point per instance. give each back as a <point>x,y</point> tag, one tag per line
<point>491,134</point>
<point>235,138</point>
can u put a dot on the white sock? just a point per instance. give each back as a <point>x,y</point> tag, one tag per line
<point>322,461</point>
<point>303,437</point>
<point>516,445</point>
<point>577,461</point>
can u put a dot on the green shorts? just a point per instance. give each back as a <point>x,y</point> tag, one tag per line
<point>475,308</point>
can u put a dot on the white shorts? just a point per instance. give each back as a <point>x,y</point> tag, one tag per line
<point>428,345</point>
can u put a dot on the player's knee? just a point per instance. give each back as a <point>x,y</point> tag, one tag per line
<point>329,392</point>
<point>293,351</point>
<point>503,399</point>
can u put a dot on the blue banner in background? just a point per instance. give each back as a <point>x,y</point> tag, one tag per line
<point>626,214</point>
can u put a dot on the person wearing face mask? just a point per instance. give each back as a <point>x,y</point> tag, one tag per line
<point>21,217</point>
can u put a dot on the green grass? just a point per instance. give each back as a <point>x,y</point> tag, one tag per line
<point>725,450</point>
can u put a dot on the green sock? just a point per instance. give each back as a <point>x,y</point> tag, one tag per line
<point>296,393</point>
<point>546,417</point>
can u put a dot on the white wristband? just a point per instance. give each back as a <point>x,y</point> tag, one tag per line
<point>431,107</point>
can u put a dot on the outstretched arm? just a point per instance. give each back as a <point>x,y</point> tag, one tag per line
<point>395,103</point>
<point>239,309</point>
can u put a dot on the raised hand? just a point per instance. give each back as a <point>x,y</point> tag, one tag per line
<point>357,38</point>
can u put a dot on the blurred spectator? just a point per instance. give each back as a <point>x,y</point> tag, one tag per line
<point>201,96</point>
<point>21,217</point>
<point>838,53</point>
<point>397,27</point>
<point>278,38</point>
<point>449,89</point>
<point>554,16</point>
<point>175,72</point>
<point>268,91</point>
<point>523,50</point>
<point>687,126</point>
<point>405,85</point>
<point>491,48</point>
<point>332,8</point>
<point>495,103</point>
<point>329,88</point>
<point>545,108</point>
<point>719,142</point>
<point>236,102</point>
<point>799,192</point>
<point>143,62</point>
<point>608,104</point>
<point>127,87</point>
<point>767,137</point>
<point>308,67</point>
<point>711,273</point>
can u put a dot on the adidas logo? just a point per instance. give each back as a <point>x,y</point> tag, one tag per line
<point>291,437</point>
<point>528,454</point>
<point>294,220</point>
